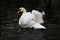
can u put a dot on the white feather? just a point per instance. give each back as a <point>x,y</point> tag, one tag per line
<point>38,16</point>
<point>43,13</point>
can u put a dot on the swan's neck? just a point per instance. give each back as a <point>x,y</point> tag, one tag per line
<point>24,11</point>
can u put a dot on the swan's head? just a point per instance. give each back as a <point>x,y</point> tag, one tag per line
<point>21,10</point>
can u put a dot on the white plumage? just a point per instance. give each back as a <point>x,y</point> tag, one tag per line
<point>38,16</point>
<point>30,19</point>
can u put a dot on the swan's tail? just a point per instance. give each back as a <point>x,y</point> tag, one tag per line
<point>43,13</point>
<point>38,26</point>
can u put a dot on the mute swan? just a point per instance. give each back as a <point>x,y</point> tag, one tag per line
<point>27,19</point>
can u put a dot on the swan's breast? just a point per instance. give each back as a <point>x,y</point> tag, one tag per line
<point>26,18</point>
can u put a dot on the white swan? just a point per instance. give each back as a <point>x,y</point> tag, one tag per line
<point>28,19</point>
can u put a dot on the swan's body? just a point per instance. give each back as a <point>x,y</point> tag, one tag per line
<point>25,18</point>
<point>28,20</point>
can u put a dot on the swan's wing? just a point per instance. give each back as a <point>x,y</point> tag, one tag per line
<point>37,16</point>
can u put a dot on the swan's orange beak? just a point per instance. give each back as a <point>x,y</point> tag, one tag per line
<point>18,11</point>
